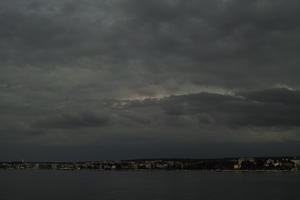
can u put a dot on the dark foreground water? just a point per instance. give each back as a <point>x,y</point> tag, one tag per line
<point>147,185</point>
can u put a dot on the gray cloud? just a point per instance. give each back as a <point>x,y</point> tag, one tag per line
<point>266,108</point>
<point>87,72</point>
<point>73,121</point>
<point>216,39</point>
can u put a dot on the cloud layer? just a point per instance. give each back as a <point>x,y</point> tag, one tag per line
<point>132,74</point>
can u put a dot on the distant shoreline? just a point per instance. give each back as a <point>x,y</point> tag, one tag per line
<point>226,164</point>
<point>154,170</point>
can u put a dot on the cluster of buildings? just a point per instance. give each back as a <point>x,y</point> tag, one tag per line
<point>278,163</point>
<point>268,164</point>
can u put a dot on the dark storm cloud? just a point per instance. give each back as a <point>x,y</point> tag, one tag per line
<point>254,108</point>
<point>215,38</point>
<point>266,108</point>
<point>73,121</point>
<point>184,121</point>
<point>135,72</point>
<point>278,95</point>
<point>34,37</point>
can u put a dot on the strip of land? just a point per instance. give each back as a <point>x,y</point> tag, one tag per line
<point>237,164</point>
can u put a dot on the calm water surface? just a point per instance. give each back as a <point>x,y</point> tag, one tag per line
<point>147,185</point>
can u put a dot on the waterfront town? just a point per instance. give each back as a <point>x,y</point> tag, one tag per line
<point>259,163</point>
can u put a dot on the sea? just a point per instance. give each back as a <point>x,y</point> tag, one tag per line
<point>147,185</point>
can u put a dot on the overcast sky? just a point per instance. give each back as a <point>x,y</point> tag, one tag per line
<point>122,79</point>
